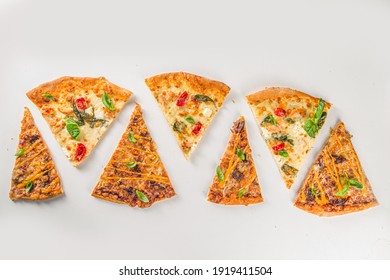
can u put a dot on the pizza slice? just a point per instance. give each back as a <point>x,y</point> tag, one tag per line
<point>336,183</point>
<point>236,182</point>
<point>35,176</point>
<point>189,103</point>
<point>289,122</point>
<point>79,111</point>
<point>135,174</point>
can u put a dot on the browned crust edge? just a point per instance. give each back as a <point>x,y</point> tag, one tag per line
<point>279,92</point>
<point>197,83</point>
<point>35,95</point>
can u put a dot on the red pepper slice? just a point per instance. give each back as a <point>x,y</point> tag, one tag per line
<point>182,100</point>
<point>197,128</point>
<point>81,150</point>
<point>280,112</point>
<point>278,147</point>
<point>81,103</point>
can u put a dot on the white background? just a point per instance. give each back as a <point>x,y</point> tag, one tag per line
<point>337,51</point>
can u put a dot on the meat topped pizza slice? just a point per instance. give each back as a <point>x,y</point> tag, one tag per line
<point>189,103</point>
<point>79,111</point>
<point>236,182</point>
<point>135,174</point>
<point>34,176</point>
<point>289,122</point>
<point>336,183</point>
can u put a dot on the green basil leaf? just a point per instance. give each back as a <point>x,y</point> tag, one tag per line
<point>269,119</point>
<point>203,98</point>
<point>343,191</point>
<point>240,154</point>
<point>221,176</point>
<point>108,102</point>
<point>283,153</point>
<point>20,152</point>
<point>189,119</point>
<point>241,193</point>
<point>142,196</point>
<point>131,137</point>
<point>48,96</point>
<point>311,128</point>
<point>355,184</point>
<point>73,128</point>
<point>131,164</point>
<point>29,186</point>
<point>291,142</point>
<point>313,191</point>
<point>320,109</point>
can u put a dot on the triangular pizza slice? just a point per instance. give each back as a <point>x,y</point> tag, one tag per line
<point>336,183</point>
<point>35,176</point>
<point>235,181</point>
<point>79,111</point>
<point>189,103</point>
<point>289,122</point>
<point>135,174</point>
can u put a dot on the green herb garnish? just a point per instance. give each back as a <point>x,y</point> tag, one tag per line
<point>289,170</point>
<point>241,193</point>
<point>221,176</point>
<point>20,152</point>
<point>312,126</point>
<point>203,98</point>
<point>131,164</point>
<point>108,102</point>
<point>73,128</point>
<point>142,196</point>
<point>29,186</point>
<point>83,117</point>
<point>283,153</point>
<point>48,96</point>
<point>189,119</point>
<point>350,182</point>
<point>313,191</point>
<point>179,126</point>
<point>289,120</point>
<point>131,137</point>
<point>269,119</point>
<point>240,154</point>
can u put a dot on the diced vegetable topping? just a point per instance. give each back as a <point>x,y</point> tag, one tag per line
<point>131,137</point>
<point>279,147</point>
<point>280,112</point>
<point>197,127</point>
<point>48,96</point>
<point>81,103</point>
<point>182,100</point>
<point>81,150</point>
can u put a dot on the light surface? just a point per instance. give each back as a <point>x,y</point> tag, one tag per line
<point>337,51</point>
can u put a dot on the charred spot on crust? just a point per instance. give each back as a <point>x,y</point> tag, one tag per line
<point>33,139</point>
<point>338,159</point>
<point>238,128</point>
<point>237,175</point>
<point>130,190</point>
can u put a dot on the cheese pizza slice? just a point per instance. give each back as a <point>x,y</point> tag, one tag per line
<point>35,176</point>
<point>189,103</point>
<point>289,122</point>
<point>135,174</point>
<point>79,111</point>
<point>236,182</point>
<point>336,183</point>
